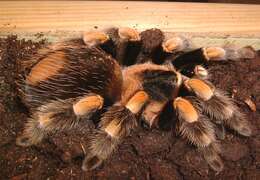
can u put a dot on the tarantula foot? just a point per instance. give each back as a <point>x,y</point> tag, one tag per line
<point>214,53</point>
<point>211,155</point>
<point>129,34</point>
<point>95,38</point>
<point>215,162</point>
<point>32,134</point>
<point>220,130</point>
<point>91,162</point>
<point>247,52</point>
<point>240,124</point>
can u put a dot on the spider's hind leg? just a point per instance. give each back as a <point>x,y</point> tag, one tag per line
<point>57,116</point>
<point>114,126</point>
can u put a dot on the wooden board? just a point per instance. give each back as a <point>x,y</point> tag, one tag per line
<point>61,19</point>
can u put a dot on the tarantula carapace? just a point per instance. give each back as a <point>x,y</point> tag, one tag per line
<point>134,76</point>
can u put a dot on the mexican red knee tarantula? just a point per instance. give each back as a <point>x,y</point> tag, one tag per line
<point>134,75</point>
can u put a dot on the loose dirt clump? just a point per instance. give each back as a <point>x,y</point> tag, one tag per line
<point>147,154</point>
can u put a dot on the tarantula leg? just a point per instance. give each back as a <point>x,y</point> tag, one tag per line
<point>31,134</point>
<point>211,155</point>
<point>197,129</point>
<point>95,38</point>
<point>226,53</point>
<point>123,44</point>
<point>127,46</point>
<point>189,60</point>
<point>58,116</point>
<point>192,124</point>
<point>219,106</point>
<point>115,124</point>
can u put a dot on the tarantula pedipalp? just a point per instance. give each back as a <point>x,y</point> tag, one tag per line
<point>135,76</point>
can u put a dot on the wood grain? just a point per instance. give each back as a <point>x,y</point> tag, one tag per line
<point>63,18</point>
<point>173,17</point>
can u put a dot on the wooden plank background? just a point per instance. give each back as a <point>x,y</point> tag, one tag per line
<point>205,23</point>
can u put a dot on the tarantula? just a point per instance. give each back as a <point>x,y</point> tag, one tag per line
<point>133,76</point>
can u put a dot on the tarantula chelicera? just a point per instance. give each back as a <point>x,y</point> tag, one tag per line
<point>134,76</point>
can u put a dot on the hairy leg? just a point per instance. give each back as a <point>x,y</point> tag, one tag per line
<point>115,125</point>
<point>57,116</point>
<point>218,106</point>
<point>187,61</point>
<point>123,44</point>
<point>199,113</point>
<point>198,130</point>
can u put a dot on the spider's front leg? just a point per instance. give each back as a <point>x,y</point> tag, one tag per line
<point>122,43</point>
<point>59,115</point>
<point>114,126</point>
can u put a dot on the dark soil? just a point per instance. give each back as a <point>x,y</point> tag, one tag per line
<point>147,154</point>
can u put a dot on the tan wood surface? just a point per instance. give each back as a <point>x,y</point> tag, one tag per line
<point>65,19</point>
